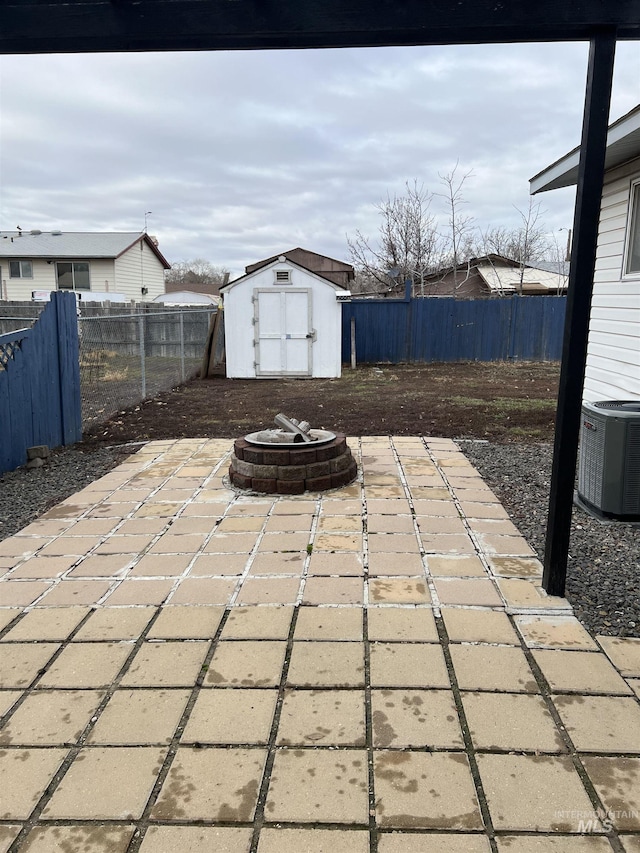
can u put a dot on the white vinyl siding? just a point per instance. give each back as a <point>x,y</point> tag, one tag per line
<point>44,278</point>
<point>613,358</point>
<point>135,269</point>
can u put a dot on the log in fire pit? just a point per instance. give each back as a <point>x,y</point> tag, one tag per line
<point>291,459</point>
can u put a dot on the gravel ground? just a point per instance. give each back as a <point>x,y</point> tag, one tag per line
<point>603,575</point>
<point>26,494</point>
<point>603,582</point>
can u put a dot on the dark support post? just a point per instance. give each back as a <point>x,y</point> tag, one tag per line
<point>576,329</point>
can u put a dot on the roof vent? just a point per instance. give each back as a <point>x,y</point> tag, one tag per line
<point>34,232</point>
<point>56,233</point>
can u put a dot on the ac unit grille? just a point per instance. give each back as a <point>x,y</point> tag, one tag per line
<point>631,490</point>
<point>591,467</point>
<point>609,466</point>
<point>618,405</point>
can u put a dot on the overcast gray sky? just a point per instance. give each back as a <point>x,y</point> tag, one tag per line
<point>240,155</point>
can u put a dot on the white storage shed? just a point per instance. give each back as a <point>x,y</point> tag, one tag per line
<point>283,320</point>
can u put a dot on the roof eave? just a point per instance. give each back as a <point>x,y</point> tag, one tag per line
<point>623,145</point>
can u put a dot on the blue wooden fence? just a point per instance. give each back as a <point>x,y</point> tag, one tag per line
<point>528,328</point>
<point>40,383</point>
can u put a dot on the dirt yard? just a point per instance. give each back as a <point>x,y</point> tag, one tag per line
<point>501,402</point>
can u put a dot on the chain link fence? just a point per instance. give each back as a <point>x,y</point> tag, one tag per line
<point>126,358</point>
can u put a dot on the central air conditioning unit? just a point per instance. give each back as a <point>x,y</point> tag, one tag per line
<point>609,469</point>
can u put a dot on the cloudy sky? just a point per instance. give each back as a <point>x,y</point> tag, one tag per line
<point>240,155</point>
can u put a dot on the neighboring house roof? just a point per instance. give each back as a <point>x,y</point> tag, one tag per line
<point>186,297</point>
<point>505,275</point>
<point>505,279</point>
<point>623,144</point>
<point>299,256</point>
<point>74,244</point>
<point>274,263</point>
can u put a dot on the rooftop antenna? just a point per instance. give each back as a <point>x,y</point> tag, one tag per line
<point>147,213</point>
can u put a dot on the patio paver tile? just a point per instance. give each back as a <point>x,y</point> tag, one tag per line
<point>140,591</point>
<point>601,723</point>
<point>42,568</point>
<point>529,792</point>
<point>49,718</point>
<point>454,565</point>
<point>471,591</point>
<point>55,624</point>
<point>327,623</point>
<point>415,718</point>
<point>102,566</point>
<point>109,783</point>
<point>246,663</point>
<point>211,784</point>
<point>70,592</point>
<point>196,839</point>
<point>330,590</point>
<point>14,593</point>
<point>402,623</point>
<point>322,717</point>
<point>160,565</point>
<point>110,623</point>
<point>617,781</point>
<point>623,652</point>
<point>20,663</point>
<point>25,775</point>
<point>218,564</point>
<point>185,622</point>
<point>393,543</point>
<point>313,841</point>
<point>269,591</point>
<point>511,721</point>
<point>97,839</point>
<point>478,626</point>
<point>166,664</point>
<point>319,786</point>
<point>230,716</point>
<point>408,665</point>
<point>204,591</point>
<point>492,668</point>
<point>139,717</point>
<point>82,665</point>
<point>385,564</point>
<point>398,591</point>
<point>558,632</point>
<point>343,563</point>
<point>551,844</point>
<point>433,842</point>
<point>258,623</point>
<point>579,672</point>
<point>326,664</point>
<point>429,790</point>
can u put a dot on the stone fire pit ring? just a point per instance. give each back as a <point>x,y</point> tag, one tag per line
<point>292,469</point>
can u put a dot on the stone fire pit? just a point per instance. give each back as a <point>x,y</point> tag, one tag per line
<point>292,459</point>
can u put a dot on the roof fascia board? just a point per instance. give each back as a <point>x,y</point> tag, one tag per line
<point>564,172</point>
<point>83,26</point>
<point>275,263</point>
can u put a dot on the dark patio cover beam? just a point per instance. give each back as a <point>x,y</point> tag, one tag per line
<point>84,26</point>
<point>580,290</point>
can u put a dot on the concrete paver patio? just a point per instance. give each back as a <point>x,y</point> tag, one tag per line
<point>369,670</point>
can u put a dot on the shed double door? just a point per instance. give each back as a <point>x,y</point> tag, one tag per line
<point>283,331</point>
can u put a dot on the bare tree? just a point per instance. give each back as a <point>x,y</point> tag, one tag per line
<point>459,239</point>
<point>525,244</point>
<point>407,245</point>
<point>199,275</point>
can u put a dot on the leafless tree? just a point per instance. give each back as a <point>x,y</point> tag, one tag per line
<point>199,275</point>
<point>459,239</point>
<point>407,245</point>
<point>525,244</point>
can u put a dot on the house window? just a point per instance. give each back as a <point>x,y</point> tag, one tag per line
<point>20,269</point>
<point>632,264</point>
<point>283,276</point>
<point>73,275</point>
